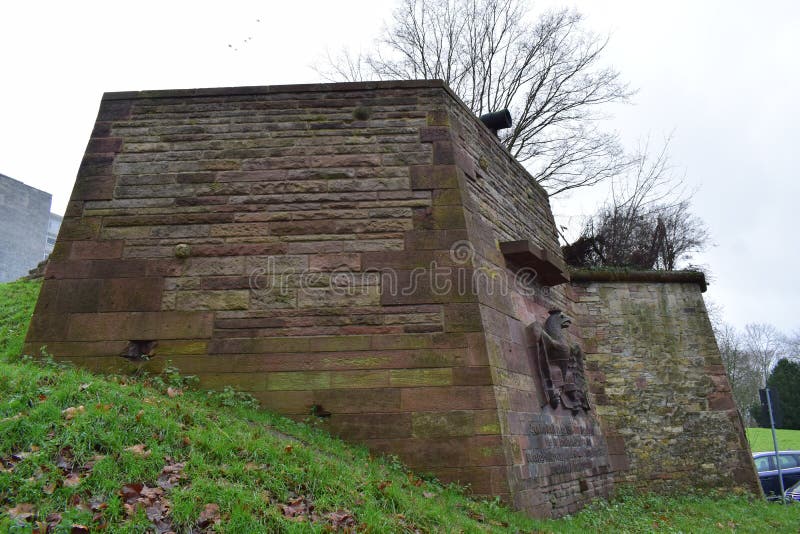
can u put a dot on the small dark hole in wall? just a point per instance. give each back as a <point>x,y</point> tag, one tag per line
<point>584,486</point>
<point>139,350</point>
<point>318,411</point>
<point>361,113</point>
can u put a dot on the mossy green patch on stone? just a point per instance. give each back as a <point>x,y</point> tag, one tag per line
<point>420,377</point>
<point>445,424</point>
<point>298,381</point>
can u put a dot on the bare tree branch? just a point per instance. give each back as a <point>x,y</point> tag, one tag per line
<point>646,224</point>
<point>548,72</point>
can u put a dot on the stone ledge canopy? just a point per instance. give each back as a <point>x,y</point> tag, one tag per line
<point>666,277</point>
<point>550,269</point>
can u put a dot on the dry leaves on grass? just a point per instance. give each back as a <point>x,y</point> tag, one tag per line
<point>341,520</point>
<point>65,459</point>
<point>173,392</point>
<point>208,517</point>
<point>7,464</point>
<point>156,507</point>
<point>483,519</point>
<point>50,524</point>
<point>152,500</point>
<point>20,415</point>
<point>407,525</point>
<point>73,411</point>
<point>171,474</point>
<point>24,511</point>
<point>140,449</point>
<point>73,473</point>
<point>301,508</point>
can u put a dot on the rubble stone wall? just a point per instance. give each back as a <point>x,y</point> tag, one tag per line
<point>659,386</point>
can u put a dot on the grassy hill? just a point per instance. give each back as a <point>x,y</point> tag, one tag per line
<point>82,452</point>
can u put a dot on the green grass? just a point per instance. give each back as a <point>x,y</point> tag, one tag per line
<point>761,439</point>
<point>16,307</point>
<point>74,448</point>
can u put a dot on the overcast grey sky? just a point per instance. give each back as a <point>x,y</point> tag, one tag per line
<point>721,76</point>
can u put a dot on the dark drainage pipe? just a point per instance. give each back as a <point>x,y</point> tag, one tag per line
<point>498,120</point>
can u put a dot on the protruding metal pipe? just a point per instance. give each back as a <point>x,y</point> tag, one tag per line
<point>498,120</point>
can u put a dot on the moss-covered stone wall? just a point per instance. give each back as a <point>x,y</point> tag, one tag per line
<point>659,386</point>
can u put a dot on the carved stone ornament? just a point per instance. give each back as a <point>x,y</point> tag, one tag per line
<point>560,364</point>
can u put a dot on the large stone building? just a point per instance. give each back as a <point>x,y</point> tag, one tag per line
<point>27,228</point>
<point>370,253</point>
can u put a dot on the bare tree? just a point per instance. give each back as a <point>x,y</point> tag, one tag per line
<point>791,346</point>
<point>548,72</point>
<point>646,224</point>
<point>743,372</point>
<point>763,342</point>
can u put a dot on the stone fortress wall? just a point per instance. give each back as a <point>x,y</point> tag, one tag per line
<point>370,253</point>
<point>658,382</point>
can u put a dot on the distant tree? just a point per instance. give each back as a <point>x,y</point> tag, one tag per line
<point>547,71</point>
<point>646,224</point>
<point>763,342</point>
<point>784,379</point>
<point>791,346</point>
<point>743,374</point>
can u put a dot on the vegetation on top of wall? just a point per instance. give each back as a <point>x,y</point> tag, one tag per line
<point>624,274</point>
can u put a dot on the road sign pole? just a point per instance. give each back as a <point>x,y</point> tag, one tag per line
<point>775,443</point>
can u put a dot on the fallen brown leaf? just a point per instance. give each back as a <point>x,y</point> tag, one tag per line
<point>84,387</point>
<point>22,511</point>
<point>49,488</point>
<point>73,411</point>
<point>209,515</point>
<point>341,519</point>
<point>77,501</point>
<point>71,480</point>
<point>79,529</point>
<point>53,520</point>
<point>139,415</point>
<point>171,474</point>
<point>65,459</point>
<point>130,492</point>
<point>139,450</point>
<point>173,392</point>
<point>428,494</point>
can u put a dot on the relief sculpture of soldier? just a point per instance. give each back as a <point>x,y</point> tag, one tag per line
<point>560,365</point>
